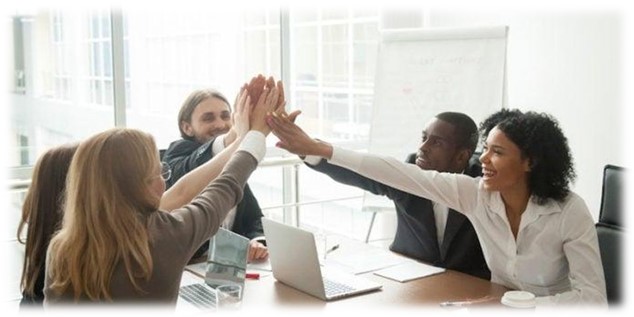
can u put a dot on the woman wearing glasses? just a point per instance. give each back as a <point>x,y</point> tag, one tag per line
<point>116,243</point>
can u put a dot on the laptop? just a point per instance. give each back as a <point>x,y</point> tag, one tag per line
<point>295,262</point>
<point>226,264</point>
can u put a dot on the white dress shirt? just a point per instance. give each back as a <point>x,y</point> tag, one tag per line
<point>556,254</point>
<point>441,212</point>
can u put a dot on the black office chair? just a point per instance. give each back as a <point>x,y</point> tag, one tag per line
<point>610,230</point>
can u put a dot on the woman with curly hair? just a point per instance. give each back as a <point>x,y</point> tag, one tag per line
<point>536,234</point>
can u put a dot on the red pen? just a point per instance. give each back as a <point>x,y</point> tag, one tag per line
<point>253,276</point>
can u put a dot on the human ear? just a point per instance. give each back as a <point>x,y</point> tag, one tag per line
<point>187,128</point>
<point>528,164</point>
<point>463,157</point>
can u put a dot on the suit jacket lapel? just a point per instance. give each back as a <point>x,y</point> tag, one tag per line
<point>454,222</point>
<point>428,220</point>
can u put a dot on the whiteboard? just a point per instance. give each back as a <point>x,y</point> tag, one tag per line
<point>422,72</point>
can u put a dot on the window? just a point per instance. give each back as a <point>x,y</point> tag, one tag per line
<point>99,45</point>
<point>66,70</point>
<point>167,54</point>
<point>333,59</point>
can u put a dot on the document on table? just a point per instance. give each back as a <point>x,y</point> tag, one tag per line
<point>408,271</point>
<point>366,261</point>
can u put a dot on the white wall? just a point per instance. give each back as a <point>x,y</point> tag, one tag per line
<point>571,65</point>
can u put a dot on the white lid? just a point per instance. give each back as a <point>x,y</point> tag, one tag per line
<point>519,299</point>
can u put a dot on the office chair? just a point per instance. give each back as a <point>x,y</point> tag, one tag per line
<point>610,230</point>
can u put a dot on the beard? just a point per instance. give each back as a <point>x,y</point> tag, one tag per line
<point>211,134</point>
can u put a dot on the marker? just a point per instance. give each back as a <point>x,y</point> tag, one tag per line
<point>253,276</point>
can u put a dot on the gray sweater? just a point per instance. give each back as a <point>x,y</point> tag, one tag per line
<point>175,236</point>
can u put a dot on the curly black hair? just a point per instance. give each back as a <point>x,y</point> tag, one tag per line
<point>540,139</point>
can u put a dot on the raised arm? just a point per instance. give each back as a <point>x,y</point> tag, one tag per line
<point>458,192</point>
<point>188,186</point>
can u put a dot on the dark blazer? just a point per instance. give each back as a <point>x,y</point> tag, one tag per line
<point>184,156</point>
<point>416,226</point>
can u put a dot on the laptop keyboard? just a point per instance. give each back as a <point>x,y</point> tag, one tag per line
<point>333,288</point>
<point>200,295</point>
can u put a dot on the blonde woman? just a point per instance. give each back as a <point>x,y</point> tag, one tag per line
<point>116,244</point>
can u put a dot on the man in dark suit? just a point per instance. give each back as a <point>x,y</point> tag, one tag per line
<point>205,126</point>
<point>425,230</point>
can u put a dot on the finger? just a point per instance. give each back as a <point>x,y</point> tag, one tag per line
<point>247,106</point>
<point>271,99</point>
<point>243,101</point>
<point>261,252</point>
<point>280,108</point>
<point>263,97</point>
<point>280,87</point>
<point>270,83</point>
<point>251,254</point>
<point>293,115</point>
<point>282,145</point>
<point>282,127</point>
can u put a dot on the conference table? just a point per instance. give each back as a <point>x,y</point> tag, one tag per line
<point>432,291</point>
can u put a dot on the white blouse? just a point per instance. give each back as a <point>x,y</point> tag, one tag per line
<point>556,254</point>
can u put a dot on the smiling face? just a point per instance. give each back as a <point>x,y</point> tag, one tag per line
<point>439,148</point>
<point>503,167</point>
<point>210,118</point>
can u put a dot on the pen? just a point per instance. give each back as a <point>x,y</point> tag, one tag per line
<point>253,276</point>
<point>335,247</point>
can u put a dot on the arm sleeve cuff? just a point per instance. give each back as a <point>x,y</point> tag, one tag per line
<point>254,144</point>
<point>218,145</point>
<point>312,159</point>
<point>346,158</point>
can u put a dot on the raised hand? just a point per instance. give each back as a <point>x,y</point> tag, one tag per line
<point>241,115</point>
<point>281,101</point>
<point>256,86</point>
<point>266,104</point>
<point>294,139</point>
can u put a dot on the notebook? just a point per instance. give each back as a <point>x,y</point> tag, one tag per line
<point>295,262</point>
<point>226,264</point>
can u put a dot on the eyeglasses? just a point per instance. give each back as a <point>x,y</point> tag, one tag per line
<point>166,171</point>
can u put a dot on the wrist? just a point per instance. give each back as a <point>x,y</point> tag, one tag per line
<point>322,149</point>
<point>262,129</point>
<point>230,137</point>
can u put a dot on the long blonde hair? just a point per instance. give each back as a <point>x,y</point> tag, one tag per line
<point>107,201</point>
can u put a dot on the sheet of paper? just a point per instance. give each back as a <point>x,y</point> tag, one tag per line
<point>198,269</point>
<point>409,271</point>
<point>365,261</point>
<point>260,266</point>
